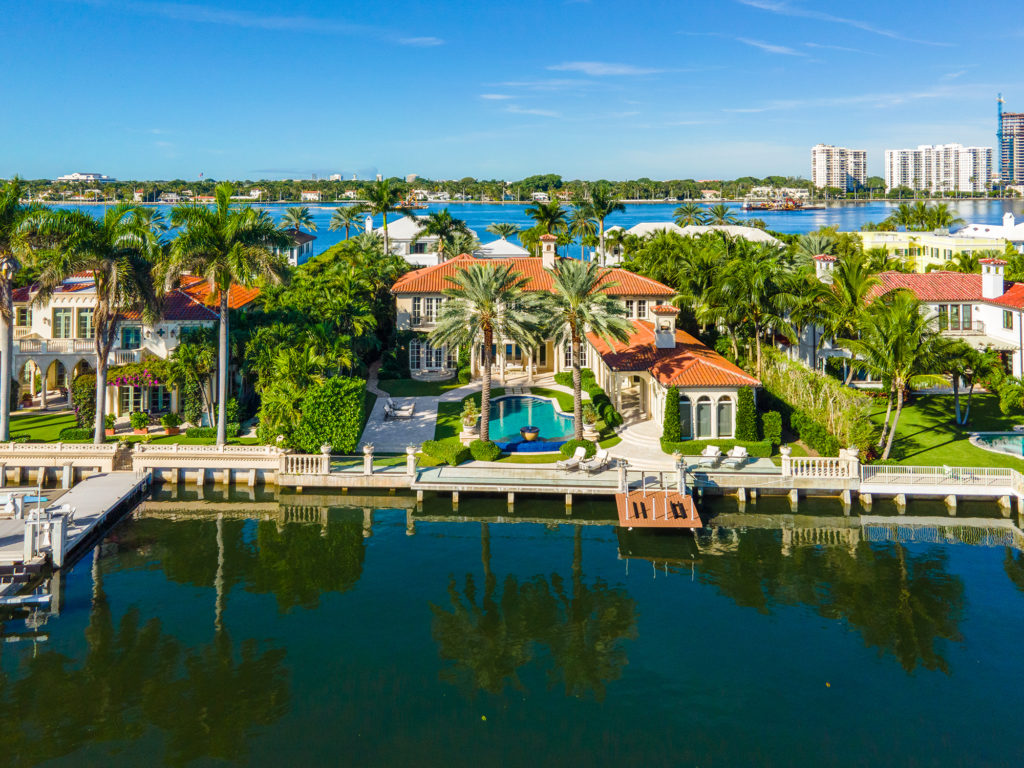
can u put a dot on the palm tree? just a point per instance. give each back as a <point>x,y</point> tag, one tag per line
<point>504,230</point>
<point>940,217</point>
<point>119,250</point>
<point>579,304</point>
<point>13,242</point>
<point>903,216</point>
<point>603,205</point>
<point>689,214</point>
<point>720,214</point>
<point>842,305</point>
<point>549,217</point>
<point>226,246</point>
<point>462,242</point>
<point>966,263</point>
<point>297,217</point>
<point>616,240</point>
<point>384,199</point>
<point>346,217</point>
<point>486,304</point>
<point>814,244</point>
<point>896,342</point>
<point>444,227</point>
<point>582,225</point>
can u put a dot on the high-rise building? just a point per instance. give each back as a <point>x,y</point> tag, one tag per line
<point>839,167</point>
<point>410,178</point>
<point>1010,139</point>
<point>335,177</point>
<point>939,168</point>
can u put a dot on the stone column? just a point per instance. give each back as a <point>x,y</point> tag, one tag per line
<point>42,394</point>
<point>529,367</point>
<point>410,460</point>
<point>32,379</point>
<point>367,459</point>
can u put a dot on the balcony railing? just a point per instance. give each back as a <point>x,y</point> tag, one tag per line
<point>86,347</point>
<point>976,327</point>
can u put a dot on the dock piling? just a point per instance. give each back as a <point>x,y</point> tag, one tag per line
<point>901,503</point>
<point>794,498</point>
<point>1005,505</point>
<point>951,504</point>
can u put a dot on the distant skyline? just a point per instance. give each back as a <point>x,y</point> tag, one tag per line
<point>582,88</point>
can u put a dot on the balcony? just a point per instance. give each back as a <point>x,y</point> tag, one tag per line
<point>969,329</point>
<point>84,347</point>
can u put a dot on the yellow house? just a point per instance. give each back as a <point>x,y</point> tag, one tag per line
<point>929,248</point>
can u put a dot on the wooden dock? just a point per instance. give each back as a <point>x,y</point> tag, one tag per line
<point>657,509</point>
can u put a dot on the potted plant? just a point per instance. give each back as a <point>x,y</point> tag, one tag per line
<point>108,425</point>
<point>589,422</point>
<point>170,422</point>
<point>140,422</point>
<point>470,415</point>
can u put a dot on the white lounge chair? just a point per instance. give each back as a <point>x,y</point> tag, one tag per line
<point>710,456</point>
<point>405,412</point>
<point>573,462</point>
<point>599,461</point>
<point>736,457</point>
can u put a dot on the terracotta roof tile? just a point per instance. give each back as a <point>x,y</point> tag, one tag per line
<point>689,364</point>
<point>1013,297</point>
<point>930,286</point>
<point>433,279</point>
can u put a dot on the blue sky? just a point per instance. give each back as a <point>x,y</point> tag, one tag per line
<point>587,89</point>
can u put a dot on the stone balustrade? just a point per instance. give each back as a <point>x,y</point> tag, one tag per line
<point>68,457</point>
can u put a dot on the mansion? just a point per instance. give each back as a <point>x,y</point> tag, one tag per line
<point>55,342</point>
<point>635,374</point>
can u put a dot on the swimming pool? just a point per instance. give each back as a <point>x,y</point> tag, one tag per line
<point>1011,443</point>
<point>511,413</point>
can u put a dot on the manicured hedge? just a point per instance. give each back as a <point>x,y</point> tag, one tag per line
<point>484,450</point>
<point>211,432</point>
<point>814,434</point>
<point>465,372</point>
<point>447,451</point>
<point>771,424</point>
<point>332,414</point>
<point>83,399</point>
<point>746,415</point>
<point>570,447</point>
<point>586,378</point>
<point>672,429</point>
<point>75,434</point>
<point>758,449</point>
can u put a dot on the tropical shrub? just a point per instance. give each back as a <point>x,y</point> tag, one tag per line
<point>449,452</point>
<point>210,433</point>
<point>605,409</point>
<point>83,399</point>
<point>109,421</point>
<point>233,410</point>
<point>75,434</point>
<point>569,448</point>
<point>332,414</point>
<point>759,449</point>
<point>814,434</point>
<point>465,372</point>
<point>672,429</point>
<point>746,415</point>
<point>470,412</point>
<point>139,419</point>
<point>771,425</point>
<point>484,450</point>
<point>587,378</point>
<point>192,404</point>
<point>171,420</point>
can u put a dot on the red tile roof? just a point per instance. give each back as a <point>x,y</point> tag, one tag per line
<point>1013,297</point>
<point>433,279</point>
<point>664,309</point>
<point>689,364</point>
<point>930,286</point>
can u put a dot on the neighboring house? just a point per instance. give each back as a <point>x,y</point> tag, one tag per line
<point>301,250</point>
<point>649,228</point>
<point>55,342</point>
<point>983,310</point>
<point>1009,230</point>
<point>710,194</point>
<point>310,196</point>
<point>402,231</point>
<point>500,249</point>
<point>540,197</point>
<point>169,197</point>
<point>636,375</point>
<point>926,249</point>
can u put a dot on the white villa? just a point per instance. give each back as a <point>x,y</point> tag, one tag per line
<point>54,342</point>
<point>648,228</point>
<point>1009,231</point>
<point>301,249</point>
<point>501,248</point>
<point>636,375</point>
<point>402,231</point>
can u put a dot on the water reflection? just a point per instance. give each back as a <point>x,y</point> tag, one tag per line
<point>578,628</point>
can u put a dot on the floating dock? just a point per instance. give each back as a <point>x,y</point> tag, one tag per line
<point>657,509</point>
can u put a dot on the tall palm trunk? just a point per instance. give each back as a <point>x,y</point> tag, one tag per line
<point>895,422</point>
<point>103,340</point>
<point>387,241</point>
<point>485,389</point>
<point>888,415</point>
<point>967,410</point>
<point>222,373</point>
<point>577,389</point>
<point>955,380</point>
<point>602,242</point>
<point>6,358</point>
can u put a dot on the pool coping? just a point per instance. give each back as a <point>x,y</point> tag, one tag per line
<point>557,409</point>
<point>973,440</point>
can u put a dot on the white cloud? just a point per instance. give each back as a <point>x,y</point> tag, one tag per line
<point>771,48</point>
<point>786,9</point>
<point>600,68</point>
<point>841,48</point>
<point>515,109</point>
<point>495,96</point>
<point>421,42</point>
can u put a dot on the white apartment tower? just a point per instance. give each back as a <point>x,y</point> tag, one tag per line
<point>838,167</point>
<point>939,168</point>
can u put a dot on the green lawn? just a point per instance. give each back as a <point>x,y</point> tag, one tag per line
<point>927,435</point>
<point>448,423</point>
<point>41,426</point>
<point>413,388</point>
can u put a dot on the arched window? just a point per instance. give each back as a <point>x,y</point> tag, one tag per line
<point>704,418</point>
<point>725,420</point>
<point>685,418</point>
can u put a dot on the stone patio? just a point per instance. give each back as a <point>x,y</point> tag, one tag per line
<point>393,435</point>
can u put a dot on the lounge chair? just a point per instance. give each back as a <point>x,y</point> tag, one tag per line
<point>710,456</point>
<point>405,412</point>
<point>574,461</point>
<point>736,457</point>
<point>599,461</point>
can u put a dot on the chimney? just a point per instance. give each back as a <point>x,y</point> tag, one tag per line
<point>1008,220</point>
<point>824,263</point>
<point>992,278</point>
<point>548,254</point>
<point>664,326</point>
<point>369,225</point>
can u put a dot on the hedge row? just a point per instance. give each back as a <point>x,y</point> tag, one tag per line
<point>587,378</point>
<point>759,449</point>
<point>771,425</point>
<point>814,434</point>
<point>570,447</point>
<point>211,432</point>
<point>484,450</point>
<point>74,434</point>
<point>447,451</point>
<point>332,414</point>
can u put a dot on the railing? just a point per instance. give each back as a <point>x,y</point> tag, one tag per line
<point>978,326</point>
<point>123,356</point>
<point>54,346</point>
<point>843,467</point>
<point>945,476</point>
<point>59,454</point>
<point>20,333</point>
<point>305,464</point>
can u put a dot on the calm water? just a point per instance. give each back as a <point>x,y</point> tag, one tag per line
<point>254,639</point>
<point>510,414</point>
<point>847,216</point>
